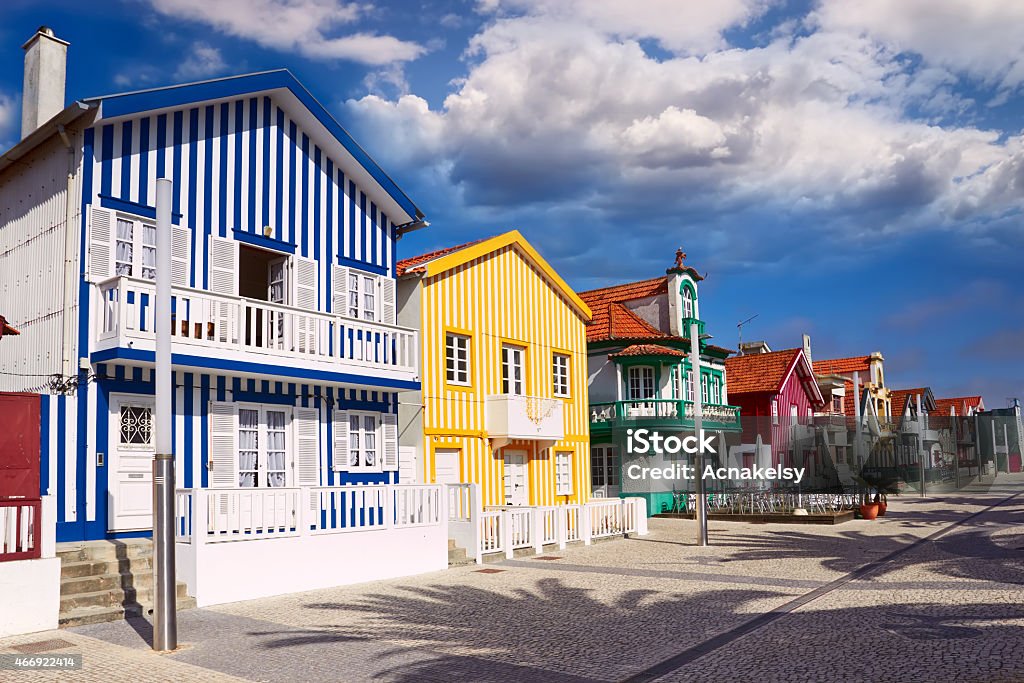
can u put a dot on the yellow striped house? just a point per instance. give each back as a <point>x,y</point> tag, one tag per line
<point>504,388</point>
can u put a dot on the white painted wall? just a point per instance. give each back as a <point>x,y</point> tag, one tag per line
<point>31,596</point>
<point>33,220</point>
<point>601,378</point>
<point>218,573</point>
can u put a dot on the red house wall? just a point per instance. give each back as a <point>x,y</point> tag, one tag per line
<point>759,405</point>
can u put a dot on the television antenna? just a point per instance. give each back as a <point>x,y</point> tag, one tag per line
<point>739,328</point>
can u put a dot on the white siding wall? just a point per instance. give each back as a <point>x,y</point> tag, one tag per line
<point>33,214</point>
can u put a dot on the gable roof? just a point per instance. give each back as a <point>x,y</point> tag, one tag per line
<point>842,366</point>
<point>174,96</point>
<point>648,350</point>
<point>613,320</point>
<point>960,404</point>
<point>900,397</point>
<point>443,260</point>
<point>768,373</point>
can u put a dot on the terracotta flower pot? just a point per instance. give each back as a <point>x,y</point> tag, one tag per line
<point>869,510</point>
<point>881,508</point>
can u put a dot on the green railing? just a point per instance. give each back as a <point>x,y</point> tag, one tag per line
<point>661,413</point>
<point>686,327</point>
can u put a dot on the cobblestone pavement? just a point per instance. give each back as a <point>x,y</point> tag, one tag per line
<point>931,592</point>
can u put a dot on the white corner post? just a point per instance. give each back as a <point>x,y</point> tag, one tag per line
<point>165,616</point>
<point>701,504</point>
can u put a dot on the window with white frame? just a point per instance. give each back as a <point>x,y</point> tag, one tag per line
<point>363,441</point>
<point>560,374</point>
<point>687,305</point>
<point>604,466</point>
<point>135,249</point>
<point>563,474</point>
<point>793,414</point>
<point>456,358</point>
<point>512,369</point>
<point>362,296</point>
<point>775,411</point>
<point>688,386</point>
<point>676,377</point>
<point>837,404</point>
<point>263,446</point>
<point>641,383</point>
<point>704,396</point>
<point>716,390</point>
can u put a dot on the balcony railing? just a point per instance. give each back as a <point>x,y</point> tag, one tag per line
<point>207,322</point>
<point>686,327</point>
<point>524,417</point>
<point>661,413</point>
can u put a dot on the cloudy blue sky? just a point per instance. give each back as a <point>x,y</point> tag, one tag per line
<point>852,169</point>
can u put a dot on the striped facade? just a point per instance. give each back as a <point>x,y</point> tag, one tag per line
<point>255,162</point>
<point>501,296</point>
<point>80,484</point>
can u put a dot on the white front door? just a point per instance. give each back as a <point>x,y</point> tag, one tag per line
<point>408,465</point>
<point>517,491</point>
<point>130,466</point>
<point>446,466</point>
<point>604,472</point>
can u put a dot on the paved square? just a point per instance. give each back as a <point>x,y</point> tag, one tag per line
<point>931,592</point>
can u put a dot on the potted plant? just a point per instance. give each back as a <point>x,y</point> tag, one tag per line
<point>868,509</point>
<point>882,502</point>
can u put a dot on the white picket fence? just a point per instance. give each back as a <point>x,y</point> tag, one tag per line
<point>506,529</point>
<point>250,514</point>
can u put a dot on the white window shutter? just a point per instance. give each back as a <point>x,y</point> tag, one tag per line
<point>223,266</point>
<point>304,277</point>
<point>307,447</point>
<point>339,290</point>
<point>101,244</point>
<point>341,440</point>
<point>390,423</point>
<point>387,291</point>
<point>181,249</point>
<point>223,445</point>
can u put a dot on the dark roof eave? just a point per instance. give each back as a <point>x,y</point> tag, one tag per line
<point>64,118</point>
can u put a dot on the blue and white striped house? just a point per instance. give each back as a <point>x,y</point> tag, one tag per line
<point>287,360</point>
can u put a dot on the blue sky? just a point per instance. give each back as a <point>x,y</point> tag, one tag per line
<point>854,170</point>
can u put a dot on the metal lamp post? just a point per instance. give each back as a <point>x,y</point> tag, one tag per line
<point>165,617</point>
<point>701,507</point>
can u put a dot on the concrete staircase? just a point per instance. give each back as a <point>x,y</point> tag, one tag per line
<point>108,580</point>
<point>456,555</point>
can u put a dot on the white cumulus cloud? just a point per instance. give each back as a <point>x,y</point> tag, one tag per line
<point>309,27</point>
<point>201,61</point>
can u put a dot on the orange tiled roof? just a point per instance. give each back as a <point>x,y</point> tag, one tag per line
<point>612,320</point>
<point>410,265</point>
<point>841,366</point>
<point>759,372</point>
<point>942,405</point>
<point>900,397</point>
<point>648,350</point>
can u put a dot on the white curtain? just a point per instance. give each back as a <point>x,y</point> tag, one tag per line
<point>124,247</point>
<point>149,252</point>
<point>248,446</point>
<point>275,448</point>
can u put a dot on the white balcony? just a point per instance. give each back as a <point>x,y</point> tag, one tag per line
<point>536,418</point>
<point>205,325</point>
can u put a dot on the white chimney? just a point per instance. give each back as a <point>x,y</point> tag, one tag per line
<point>807,348</point>
<point>42,97</point>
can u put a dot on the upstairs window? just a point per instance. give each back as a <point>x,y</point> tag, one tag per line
<point>362,296</point>
<point>837,404</point>
<point>775,411</point>
<point>456,358</point>
<point>560,374</point>
<point>512,369</point>
<point>687,303</point>
<point>641,383</point>
<point>705,396</point>
<point>135,249</point>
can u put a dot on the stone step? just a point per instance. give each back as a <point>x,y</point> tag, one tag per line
<point>69,570</point>
<point>80,616</point>
<point>129,548</point>
<point>112,597</point>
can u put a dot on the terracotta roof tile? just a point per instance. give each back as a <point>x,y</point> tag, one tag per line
<point>841,366</point>
<point>942,405</point>
<point>411,264</point>
<point>648,350</point>
<point>759,372</point>
<point>899,398</point>
<point>612,320</point>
